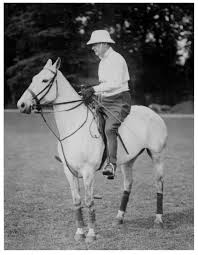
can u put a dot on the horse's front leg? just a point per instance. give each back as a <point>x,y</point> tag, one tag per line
<point>75,190</point>
<point>88,178</point>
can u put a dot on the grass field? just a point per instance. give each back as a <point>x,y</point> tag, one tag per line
<point>38,205</point>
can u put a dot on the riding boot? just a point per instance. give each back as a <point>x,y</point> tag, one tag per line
<point>111,135</point>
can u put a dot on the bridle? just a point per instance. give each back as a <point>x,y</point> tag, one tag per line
<point>39,107</point>
<point>46,89</point>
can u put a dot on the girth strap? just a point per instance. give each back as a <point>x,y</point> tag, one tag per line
<point>122,142</point>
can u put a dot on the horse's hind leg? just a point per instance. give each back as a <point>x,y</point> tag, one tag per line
<point>127,172</point>
<point>75,190</point>
<point>158,171</point>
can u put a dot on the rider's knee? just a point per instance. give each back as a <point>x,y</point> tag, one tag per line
<point>111,129</point>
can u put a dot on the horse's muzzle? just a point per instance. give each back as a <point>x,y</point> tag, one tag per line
<point>24,107</point>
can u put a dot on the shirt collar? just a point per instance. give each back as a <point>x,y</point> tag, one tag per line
<point>107,52</point>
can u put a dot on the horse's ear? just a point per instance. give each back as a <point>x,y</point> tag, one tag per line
<point>57,63</point>
<point>49,63</point>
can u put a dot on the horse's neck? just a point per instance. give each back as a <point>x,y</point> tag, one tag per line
<point>65,91</point>
<point>67,121</point>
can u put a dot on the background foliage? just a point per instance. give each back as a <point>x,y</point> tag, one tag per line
<point>156,40</point>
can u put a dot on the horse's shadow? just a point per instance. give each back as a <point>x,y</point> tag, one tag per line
<point>171,220</point>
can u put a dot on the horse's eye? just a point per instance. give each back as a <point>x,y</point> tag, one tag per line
<point>45,81</point>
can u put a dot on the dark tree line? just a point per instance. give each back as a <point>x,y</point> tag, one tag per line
<point>157,41</point>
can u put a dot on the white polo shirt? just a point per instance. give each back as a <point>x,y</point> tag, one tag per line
<point>113,74</point>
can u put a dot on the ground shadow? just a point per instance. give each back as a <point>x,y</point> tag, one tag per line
<point>172,220</point>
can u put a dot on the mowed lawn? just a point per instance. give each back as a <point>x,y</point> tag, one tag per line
<point>38,204</point>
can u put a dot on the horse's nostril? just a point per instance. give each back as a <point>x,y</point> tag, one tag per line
<point>22,105</point>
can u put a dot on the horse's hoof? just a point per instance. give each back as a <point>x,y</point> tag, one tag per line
<point>158,225</point>
<point>79,237</point>
<point>117,222</point>
<point>90,239</point>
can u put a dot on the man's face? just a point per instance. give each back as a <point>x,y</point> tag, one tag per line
<point>99,49</point>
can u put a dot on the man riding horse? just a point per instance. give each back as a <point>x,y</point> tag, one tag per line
<point>112,91</point>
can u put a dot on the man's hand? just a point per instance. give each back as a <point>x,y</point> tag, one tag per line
<point>85,86</point>
<point>87,94</point>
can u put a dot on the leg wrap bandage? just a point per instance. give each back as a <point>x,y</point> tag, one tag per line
<point>124,201</point>
<point>159,203</point>
<point>92,216</point>
<point>79,217</point>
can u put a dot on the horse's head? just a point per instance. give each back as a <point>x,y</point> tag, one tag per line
<point>42,89</point>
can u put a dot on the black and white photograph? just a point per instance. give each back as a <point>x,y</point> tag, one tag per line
<point>98,126</point>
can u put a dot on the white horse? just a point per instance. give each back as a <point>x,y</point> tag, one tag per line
<point>81,147</point>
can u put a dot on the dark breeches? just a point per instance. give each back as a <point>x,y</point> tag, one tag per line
<point>119,105</point>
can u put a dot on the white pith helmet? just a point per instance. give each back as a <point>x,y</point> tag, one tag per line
<point>99,36</point>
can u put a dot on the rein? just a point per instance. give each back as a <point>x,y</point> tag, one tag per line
<point>58,138</point>
<point>73,171</point>
<point>61,103</point>
<point>35,106</point>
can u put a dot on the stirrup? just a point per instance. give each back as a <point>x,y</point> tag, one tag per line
<point>109,170</point>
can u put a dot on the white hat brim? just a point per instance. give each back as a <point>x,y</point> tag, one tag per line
<point>100,41</point>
